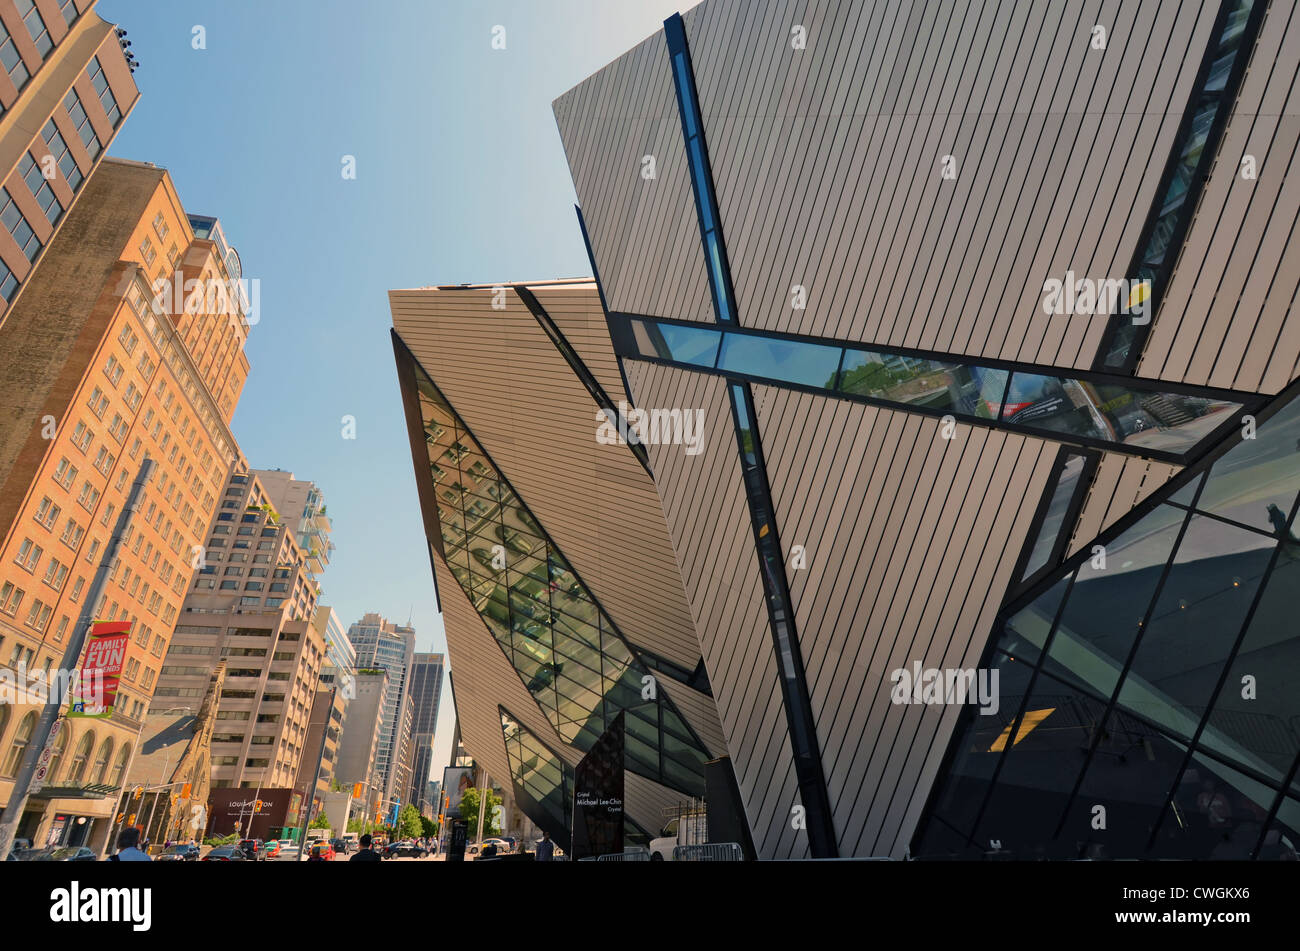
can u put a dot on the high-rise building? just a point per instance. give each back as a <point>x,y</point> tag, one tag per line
<point>98,374</point>
<point>303,505</point>
<point>990,524</point>
<point>252,605</point>
<point>329,707</point>
<point>65,89</point>
<point>426,695</point>
<point>382,644</point>
<point>355,763</point>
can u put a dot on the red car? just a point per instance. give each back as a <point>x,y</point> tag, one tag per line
<point>321,852</point>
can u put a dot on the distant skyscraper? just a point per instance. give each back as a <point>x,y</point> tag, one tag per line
<point>426,694</point>
<point>380,644</point>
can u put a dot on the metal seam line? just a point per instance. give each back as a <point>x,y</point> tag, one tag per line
<point>791,676</point>
<point>582,372</point>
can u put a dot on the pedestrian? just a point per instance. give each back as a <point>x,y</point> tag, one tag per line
<point>545,848</point>
<point>128,847</point>
<point>366,853</point>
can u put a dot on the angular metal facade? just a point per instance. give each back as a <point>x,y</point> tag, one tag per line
<point>911,176</point>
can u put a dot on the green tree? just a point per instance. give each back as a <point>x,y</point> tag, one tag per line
<point>320,822</point>
<point>430,827</point>
<point>408,822</point>
<point>469,812</point>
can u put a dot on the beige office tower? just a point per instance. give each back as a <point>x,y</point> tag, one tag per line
<point>99,373</point>
<point>252,604</point>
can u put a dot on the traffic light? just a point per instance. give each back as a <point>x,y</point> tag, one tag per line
<point>356,790</point>
<point>257,806</point>
<point>139,791</point>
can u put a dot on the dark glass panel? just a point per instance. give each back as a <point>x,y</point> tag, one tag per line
<point>1216,813</point>
<point>1256,716</point>
<point>1129,776</point>
<point>962,789</point>
<point>1025,632</point>
<point>1043,762</point>
<point>1282,839</point>
<point>1256,482</point>
<point>1108,604</point>
<point>1196,621</point>
<point>1067,484</point>
<point>915,381</point>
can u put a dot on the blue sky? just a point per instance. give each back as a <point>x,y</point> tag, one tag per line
<point>460,178</point>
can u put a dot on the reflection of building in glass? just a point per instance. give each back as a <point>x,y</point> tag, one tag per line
<point>1156,684</point>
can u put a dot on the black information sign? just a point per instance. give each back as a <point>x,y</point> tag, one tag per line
<point>598,796</point>
<point>459,836</point>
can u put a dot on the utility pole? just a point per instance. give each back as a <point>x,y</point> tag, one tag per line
<point>71,657</point>
<point>482,807</point>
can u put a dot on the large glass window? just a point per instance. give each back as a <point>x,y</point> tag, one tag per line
<point>105,92</point>
<point>567,652</point>
<point>35,26</point>
<point>12,60</point>
<point>1139,417</point>
<point>1182,626</point>
<point>40,188</point>
<point>62,155</point>
<point>14,222</point>
<point>81,122</point>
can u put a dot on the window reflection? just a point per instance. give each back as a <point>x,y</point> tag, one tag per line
<point>1163,611</point>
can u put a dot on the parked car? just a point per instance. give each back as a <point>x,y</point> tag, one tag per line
<point>406,850</point>
<point>187,852</point>
<point>288,852</point>
<point>253,849</point>
<point>30,855</point>
<point>71,853</point>
<point>321,852</point>
<point>226,853</point>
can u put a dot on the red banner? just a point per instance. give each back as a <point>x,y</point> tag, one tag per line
<point>101,669</point>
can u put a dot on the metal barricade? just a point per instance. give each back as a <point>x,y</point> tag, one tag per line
<point>627,855</point>
<point>709,852</point>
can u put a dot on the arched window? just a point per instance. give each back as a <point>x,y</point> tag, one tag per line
<point>99,773</point>
<point>77,771</point>
<point>22,736</point>
<point>119,765</point>
<point>4,720</point>
<point>60,747</point>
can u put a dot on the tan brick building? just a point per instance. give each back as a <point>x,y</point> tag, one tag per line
<point>98,375</point>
